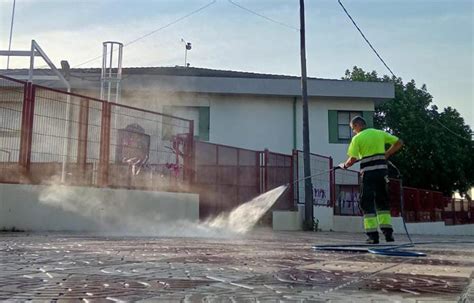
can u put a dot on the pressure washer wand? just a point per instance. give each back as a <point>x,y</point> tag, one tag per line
<point>315,175</point>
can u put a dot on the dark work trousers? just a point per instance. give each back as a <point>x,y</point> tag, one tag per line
<point>374,201</point>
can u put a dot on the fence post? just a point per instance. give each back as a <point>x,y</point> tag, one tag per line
<point>417,206</point>
<point>432,207</point>
<point>453,203</point>
<point>332,184</point>
<point>258,173</point>
<point>104,154</point>
<point>471,211</point>
<point>190,157</point>
<point>297,176</point>
<point>27,126</point>
<point>265,168</point>
<point>294,176</point>
<point>82,138</point>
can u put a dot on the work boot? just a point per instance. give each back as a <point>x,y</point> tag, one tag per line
<point>372,238</point>
<point>388,233</point>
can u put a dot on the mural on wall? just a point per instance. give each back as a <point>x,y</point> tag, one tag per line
<point>133,147</point>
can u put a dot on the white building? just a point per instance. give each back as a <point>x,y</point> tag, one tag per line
<point>249,110</point>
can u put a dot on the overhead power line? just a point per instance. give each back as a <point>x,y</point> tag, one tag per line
<point>263,16</point>
<point>155,30</point>
<point>373,49</point>
<point>363,36</point>
<point>452,132</point>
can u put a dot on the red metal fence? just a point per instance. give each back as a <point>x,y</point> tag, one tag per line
<point>420,205</point>
<point>278,170</point>
<point>346,193</point>
<point>227,176</point>
<point>49,135</point>
<point>429,206</point>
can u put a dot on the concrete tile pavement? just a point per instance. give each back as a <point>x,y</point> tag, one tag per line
<point>262,266</point>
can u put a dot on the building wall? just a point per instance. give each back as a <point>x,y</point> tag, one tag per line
<point>318,123</point>
<point>252,122</point>
<point>258,122</point>
<point>267,122</point>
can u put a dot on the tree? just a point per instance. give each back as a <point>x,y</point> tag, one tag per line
<point>439,151</point>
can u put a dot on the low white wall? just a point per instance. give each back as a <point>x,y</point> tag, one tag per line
<point>354,224</point>
<point>325,217</point>
<point>71,208</point>
<point>293,220</point>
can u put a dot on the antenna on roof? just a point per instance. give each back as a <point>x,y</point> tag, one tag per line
<point>187,46</point>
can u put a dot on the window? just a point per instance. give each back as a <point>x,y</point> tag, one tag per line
<point>338,124</point>
<point>344,118</point>
<point>199,114</point>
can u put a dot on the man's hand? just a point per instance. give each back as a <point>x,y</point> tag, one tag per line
<point>393,149</point>
<point>342,165</point>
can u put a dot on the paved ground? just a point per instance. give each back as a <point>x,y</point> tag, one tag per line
<point>262,267</point>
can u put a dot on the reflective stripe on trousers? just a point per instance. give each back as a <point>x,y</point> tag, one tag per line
<point>370,223</point>
<point>384,219</point>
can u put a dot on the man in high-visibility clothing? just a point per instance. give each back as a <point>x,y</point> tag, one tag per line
<point>368,147</point>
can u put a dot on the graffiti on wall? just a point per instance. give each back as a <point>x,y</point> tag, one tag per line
<point>321,196</point>
<point>348,201</point>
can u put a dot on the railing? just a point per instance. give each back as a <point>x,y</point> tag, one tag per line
<point>419,205</point>
<point>48,135</point>
<point>224,177</point>
<point>278,170</point>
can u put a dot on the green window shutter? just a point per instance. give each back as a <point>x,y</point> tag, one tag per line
<point>369,118</point>
<point>204,123</point>
<point>332,126</point>
<point>166,128</point>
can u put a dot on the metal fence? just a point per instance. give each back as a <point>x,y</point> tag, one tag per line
<point>322,179</point>
<point>278,170</point>
<point>12,95</point>
<point>224,177</point>
<point>422,205</point>
<point>49,135</point>
<point>346,193</point>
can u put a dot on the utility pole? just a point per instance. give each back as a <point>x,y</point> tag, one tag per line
<point>11,33</point>
<point>308,188</point>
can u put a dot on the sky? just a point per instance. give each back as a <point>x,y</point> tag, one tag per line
<point>430,41</point>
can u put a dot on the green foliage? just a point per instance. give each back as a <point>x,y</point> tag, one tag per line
<point>438,152</point>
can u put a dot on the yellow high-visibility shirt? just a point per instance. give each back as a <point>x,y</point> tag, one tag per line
<point>370,142</point>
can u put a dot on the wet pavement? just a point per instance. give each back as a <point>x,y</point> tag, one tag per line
<point>263,266</point>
